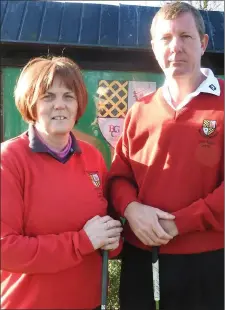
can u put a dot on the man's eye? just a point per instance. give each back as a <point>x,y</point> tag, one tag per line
<point>185,36</point>
<point>165,38</point>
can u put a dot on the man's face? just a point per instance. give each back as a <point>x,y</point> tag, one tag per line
<point>177,46</point>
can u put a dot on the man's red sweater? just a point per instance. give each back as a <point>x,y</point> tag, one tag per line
<point>173,160</point>
<point>47,260</point>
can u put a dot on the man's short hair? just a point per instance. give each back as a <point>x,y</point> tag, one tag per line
<point>171,11</point>
<point>37,77</point>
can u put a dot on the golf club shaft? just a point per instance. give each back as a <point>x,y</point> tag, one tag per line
<point>155,273</point>
<point>104,280</point>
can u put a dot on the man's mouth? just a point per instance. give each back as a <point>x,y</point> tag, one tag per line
<point>176,61</point>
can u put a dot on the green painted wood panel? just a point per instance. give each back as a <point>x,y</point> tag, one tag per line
<point>86,129</point>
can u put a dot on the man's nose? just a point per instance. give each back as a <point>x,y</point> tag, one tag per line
<point>175,45</point>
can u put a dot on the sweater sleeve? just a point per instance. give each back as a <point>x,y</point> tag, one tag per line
<point>33,254</point>
<point>116,252</point>
<point>203,214</point>
<point>121,185</point>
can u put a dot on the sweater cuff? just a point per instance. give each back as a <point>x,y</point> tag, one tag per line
<point>85,245</point>
<point>187,219</point>
<point>122,193</point>
<point>116,252</point>
<point>126,202</point>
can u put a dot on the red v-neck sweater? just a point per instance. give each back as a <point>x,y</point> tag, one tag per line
<point>48,262</point>
<point>176,160</point>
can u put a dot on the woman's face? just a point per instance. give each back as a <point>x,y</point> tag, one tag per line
<point>57,109</point>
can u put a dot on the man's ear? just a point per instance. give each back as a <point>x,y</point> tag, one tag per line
<point>153,46</point>
<point>204,43</point>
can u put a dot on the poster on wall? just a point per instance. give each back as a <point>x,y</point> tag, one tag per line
<point>115,98</point>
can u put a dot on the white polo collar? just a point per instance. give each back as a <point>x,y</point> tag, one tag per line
<point>209,85</point>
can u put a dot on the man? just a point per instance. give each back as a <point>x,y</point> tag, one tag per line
<point>166,178</point>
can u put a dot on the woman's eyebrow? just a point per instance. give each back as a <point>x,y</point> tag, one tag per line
<point>53,93</point>
<point>49,93</point>
<point>69,92</point>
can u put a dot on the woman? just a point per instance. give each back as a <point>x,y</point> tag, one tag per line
<point>53,215</point>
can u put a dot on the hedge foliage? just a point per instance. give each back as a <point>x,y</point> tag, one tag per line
<point>114,280</point>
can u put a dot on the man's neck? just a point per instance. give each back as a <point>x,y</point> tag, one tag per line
<point>180,87</point>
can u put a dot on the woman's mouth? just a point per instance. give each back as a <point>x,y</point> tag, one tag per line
<point>59,118</point>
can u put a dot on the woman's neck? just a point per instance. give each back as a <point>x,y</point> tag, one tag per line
<point>54,142</point>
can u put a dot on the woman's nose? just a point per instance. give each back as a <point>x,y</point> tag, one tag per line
<point>59,104</point>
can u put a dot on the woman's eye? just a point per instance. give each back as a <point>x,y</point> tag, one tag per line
<point>47,96</point>
<point>70,96</point>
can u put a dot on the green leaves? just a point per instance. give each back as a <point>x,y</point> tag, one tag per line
<point>114,281</point>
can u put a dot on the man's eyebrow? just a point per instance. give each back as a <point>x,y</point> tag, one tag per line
<point>185,32</point>
<point>165,34</point>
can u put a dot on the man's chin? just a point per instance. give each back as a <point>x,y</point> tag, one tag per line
<point>176,73</point>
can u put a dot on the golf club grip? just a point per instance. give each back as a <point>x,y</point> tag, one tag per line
<point>155,273</point>
<point>104,280</point>
<point>155,254</point>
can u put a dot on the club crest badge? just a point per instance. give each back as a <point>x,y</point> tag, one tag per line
<point>95,178</point>
<point>208,128</point>
<point>114,99</point>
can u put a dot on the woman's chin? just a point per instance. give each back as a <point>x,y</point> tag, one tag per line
<point>60,131</point>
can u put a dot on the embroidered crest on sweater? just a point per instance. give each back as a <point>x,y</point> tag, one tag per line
<point>208,128</point>
<point>95,178</point>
